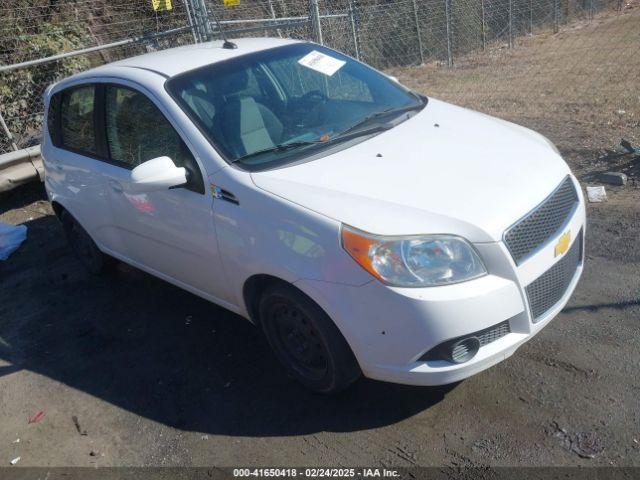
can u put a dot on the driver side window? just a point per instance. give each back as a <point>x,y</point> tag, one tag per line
<point>137,131</point>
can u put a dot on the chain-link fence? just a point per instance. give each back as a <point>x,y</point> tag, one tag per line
<point>502,56</point>
<point>35,30</point>
<point>568,68</point>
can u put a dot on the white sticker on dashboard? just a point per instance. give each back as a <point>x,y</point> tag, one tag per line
<point>322,63</point>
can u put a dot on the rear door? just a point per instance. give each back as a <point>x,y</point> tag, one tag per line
<point>74,161</point>
<point>168,232</point>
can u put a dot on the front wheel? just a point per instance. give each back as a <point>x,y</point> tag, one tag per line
<point>306,341</point>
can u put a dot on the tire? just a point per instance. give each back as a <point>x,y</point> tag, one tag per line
<point>306,341</point>
<point>83,246</point>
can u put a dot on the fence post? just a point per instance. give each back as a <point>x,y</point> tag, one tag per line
<point>201,18</point>
<point>208,31</point>
<point>415,16</point>
<point>188,8</point>
<point>314,13</point>
<point>484,26</point>
<point>197,18</point>
<point>556,17</point>
<point>510,23</point>
<point>447,10</point>
<point>273,15</point>
<point>531,17</point>
<point>354,29</point>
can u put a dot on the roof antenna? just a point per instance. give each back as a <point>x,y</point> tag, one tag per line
<point>227,44</point>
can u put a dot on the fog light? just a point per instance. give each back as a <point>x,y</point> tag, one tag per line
<point>464,350</point>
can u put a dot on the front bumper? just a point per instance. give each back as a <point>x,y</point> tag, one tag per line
<point>390,329</point>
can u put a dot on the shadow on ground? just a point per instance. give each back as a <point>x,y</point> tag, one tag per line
<point>164,354</point>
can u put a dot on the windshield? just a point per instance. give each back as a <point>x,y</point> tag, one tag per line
<point>271,107</point>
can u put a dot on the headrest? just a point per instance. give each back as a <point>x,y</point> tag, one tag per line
<point>232,82</point>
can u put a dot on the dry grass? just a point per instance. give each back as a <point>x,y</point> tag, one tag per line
<point>581,86</point>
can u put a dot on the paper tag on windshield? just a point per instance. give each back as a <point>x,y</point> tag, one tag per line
<point>322,63</point>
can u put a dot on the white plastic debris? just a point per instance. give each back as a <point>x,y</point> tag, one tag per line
<point>17,440</point>
<point>596,194</point>
<point>11,236</point>
<point>15,460</point>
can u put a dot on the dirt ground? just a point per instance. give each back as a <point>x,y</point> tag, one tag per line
<point>155,376</point>
<point>580,86</point>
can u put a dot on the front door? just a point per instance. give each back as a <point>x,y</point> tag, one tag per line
<point>169,232</point>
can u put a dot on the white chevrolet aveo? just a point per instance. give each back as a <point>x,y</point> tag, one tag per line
<point>365,228</point>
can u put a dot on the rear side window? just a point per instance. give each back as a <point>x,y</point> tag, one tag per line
<point>77,129</point>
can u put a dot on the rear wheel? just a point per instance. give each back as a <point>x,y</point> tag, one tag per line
<point>306,341</point>
<point>83,246</point>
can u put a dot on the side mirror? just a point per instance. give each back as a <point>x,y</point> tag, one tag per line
<point>157,174</point>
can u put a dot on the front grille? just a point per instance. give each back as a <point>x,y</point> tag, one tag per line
<point>486,336</point>
<point>534,230</point>
<point>547,290</point>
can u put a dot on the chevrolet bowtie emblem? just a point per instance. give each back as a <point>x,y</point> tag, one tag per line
<point>563,244</point>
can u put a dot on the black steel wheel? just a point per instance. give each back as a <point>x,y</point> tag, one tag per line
<point>306,341</point>
<point>298,340</point>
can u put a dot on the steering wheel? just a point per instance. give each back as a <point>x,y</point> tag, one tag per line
<point>307,111</point>
<point>313,96</point>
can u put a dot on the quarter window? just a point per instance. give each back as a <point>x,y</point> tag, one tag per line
<point>76,120</point>
<point>137,131</point>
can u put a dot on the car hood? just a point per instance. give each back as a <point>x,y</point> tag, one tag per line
<point>445,170</point>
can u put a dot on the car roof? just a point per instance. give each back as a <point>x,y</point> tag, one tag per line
<point>174,61</point>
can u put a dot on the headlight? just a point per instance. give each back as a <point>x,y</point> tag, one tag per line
<point>415,261</point>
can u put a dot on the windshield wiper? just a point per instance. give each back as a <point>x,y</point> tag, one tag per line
<point>283,147</point>
<point>381,113</point>
<point>351,132</point>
